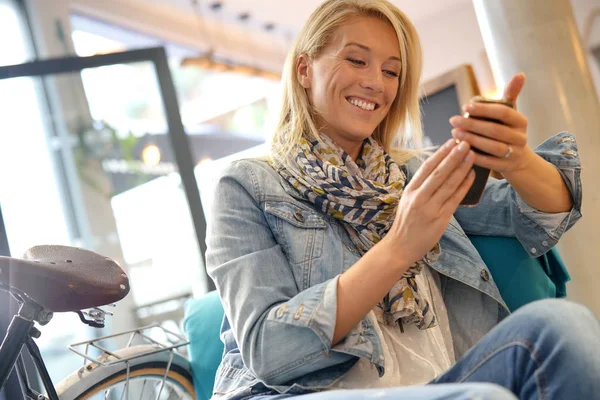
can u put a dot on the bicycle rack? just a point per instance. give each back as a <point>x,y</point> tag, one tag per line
<point>140,333</point>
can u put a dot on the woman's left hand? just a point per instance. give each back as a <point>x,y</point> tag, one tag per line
<point>505,142</point>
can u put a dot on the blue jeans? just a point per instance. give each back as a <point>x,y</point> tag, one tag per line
<point>549,349</point>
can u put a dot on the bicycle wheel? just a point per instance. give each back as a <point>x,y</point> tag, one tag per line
<point>146,379</point>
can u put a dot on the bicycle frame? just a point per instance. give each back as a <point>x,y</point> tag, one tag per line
<point>20,334</point>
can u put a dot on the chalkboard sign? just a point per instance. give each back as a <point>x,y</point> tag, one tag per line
<point>442,98</point>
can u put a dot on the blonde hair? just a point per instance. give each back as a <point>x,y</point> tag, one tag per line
<point>400,132</point>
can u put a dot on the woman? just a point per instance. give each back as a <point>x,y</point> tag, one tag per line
<point>340,267</point>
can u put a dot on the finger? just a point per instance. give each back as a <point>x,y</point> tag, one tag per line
<point>507,115</point>
<point>453,201</point>
<point>454,181</point>
<point>492,130</point>
<point>439,175</point>
<point>430,164</point>
<point>514,87</point>
<point>494,163</point>
<point>490,146</point>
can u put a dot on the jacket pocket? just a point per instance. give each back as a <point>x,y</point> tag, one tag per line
<point>299,230</point>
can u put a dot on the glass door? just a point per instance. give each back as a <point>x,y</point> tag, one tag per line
<point>93,155</point>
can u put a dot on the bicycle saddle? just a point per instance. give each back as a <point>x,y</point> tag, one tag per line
<point>62,278</point>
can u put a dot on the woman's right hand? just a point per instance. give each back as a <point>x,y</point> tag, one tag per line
<point>425,208</point>
<point>429,201</point>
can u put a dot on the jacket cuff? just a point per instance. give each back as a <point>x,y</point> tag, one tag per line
<point>561,151</point>
<point>313,308</point>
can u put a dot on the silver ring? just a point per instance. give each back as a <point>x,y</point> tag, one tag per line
<point>509,152</point>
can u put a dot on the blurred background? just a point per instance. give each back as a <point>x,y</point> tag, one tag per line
<point>86,157</point>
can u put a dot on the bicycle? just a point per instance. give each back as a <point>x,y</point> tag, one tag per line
<point>51,279</point>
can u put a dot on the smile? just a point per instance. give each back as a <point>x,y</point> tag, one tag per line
<point>362,103</point>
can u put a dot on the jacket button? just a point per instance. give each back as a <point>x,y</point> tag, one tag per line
<point>298,215</point>
<point>298,313</point>
<point>485,275</point>
<point>281,310</point>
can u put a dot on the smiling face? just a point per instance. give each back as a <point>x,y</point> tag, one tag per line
<point>353,82</point>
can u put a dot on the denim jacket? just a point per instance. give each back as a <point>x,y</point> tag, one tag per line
<point>276,261</point>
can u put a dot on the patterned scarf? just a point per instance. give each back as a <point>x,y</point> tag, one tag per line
<point>364,194</point>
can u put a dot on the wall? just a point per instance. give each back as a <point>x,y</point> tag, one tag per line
<point>452,38</point>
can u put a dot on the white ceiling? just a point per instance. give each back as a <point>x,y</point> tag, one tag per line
<point>289,15</point>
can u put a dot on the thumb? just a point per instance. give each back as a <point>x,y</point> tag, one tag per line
<point>514,87</point>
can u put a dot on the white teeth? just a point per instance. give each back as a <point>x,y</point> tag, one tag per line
<point>362,104</point>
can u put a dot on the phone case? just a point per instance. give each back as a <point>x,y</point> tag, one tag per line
<point>482,175</point>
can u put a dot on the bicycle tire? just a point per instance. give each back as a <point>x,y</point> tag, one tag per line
<point>92,379</point>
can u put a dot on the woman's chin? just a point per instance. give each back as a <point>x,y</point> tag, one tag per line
<point>360,134</point>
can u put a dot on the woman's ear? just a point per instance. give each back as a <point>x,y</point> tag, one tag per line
<point>304,71</point>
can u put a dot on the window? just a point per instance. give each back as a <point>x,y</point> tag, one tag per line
<point>212,103</point>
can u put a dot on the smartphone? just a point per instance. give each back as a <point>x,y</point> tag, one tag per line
<point>474,194</point>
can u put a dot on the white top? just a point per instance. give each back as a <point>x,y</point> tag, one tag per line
<point>414,357</point>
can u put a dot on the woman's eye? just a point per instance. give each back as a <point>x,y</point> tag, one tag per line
<point>391,73</point>
<point>356,62</point>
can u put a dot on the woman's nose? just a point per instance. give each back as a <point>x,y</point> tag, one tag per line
<point>373,80</point>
